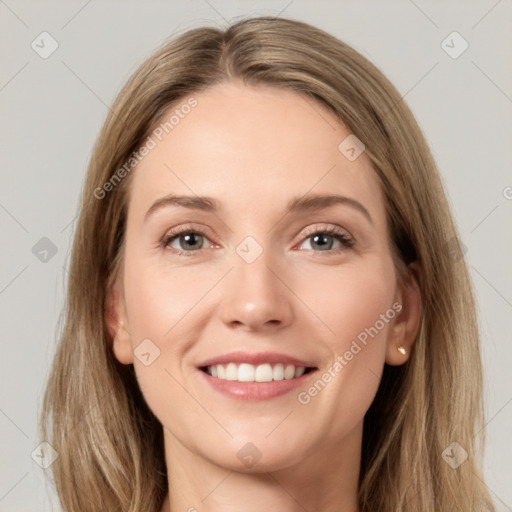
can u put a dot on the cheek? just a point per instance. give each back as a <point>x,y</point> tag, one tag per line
<point>158,299</point>
<point>354,304</point>
<point>349,299</point>
<point>162,306</point>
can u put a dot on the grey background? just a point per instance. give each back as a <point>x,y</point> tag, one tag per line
<point>52,110</point>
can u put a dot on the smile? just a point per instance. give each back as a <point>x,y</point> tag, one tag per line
<point>245,372</point>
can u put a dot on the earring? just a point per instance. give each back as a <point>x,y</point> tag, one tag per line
<point>401,350</point>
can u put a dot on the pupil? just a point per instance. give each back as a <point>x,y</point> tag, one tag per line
<point>323,241</point>
<point>190,238</point>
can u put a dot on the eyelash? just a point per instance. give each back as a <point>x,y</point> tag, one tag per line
<point>346,241</point>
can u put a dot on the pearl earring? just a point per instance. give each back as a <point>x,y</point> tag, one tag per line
<point>401,350</point>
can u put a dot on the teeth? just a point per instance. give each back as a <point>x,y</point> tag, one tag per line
<point>231,372</point>
<point>245,372</point>
<point>278,372</point>
<point>263,373</point>
<point>289,372</point>
<point>299,371</point>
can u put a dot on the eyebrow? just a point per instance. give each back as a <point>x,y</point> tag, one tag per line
<point>311,202</point>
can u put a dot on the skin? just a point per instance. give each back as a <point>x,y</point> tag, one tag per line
<point>253,149</point>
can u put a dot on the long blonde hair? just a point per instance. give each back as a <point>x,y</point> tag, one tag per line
<point>110,445</point>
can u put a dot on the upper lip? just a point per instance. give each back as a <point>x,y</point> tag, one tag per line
<point>255,359</point>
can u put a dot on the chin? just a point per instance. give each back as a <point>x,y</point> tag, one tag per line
<point>257,454</point>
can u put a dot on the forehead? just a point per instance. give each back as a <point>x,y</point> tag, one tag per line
<point>253,148</point>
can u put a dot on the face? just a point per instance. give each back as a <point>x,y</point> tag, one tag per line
<point>261,280</point>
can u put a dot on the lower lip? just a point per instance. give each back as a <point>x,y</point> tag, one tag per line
<point>256,391</point>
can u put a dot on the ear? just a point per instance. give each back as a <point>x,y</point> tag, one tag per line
<point>116,321</point>
<point>406,323</point>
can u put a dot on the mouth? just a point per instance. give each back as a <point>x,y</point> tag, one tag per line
<point>246,372</point>
<point>242,375</point>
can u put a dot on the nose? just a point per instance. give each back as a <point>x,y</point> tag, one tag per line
<point>256,296</point>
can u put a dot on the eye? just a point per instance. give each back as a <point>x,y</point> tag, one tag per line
<point>322,240</point>
<point>185,239</point>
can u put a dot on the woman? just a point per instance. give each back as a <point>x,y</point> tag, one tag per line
<point>267,306</point>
